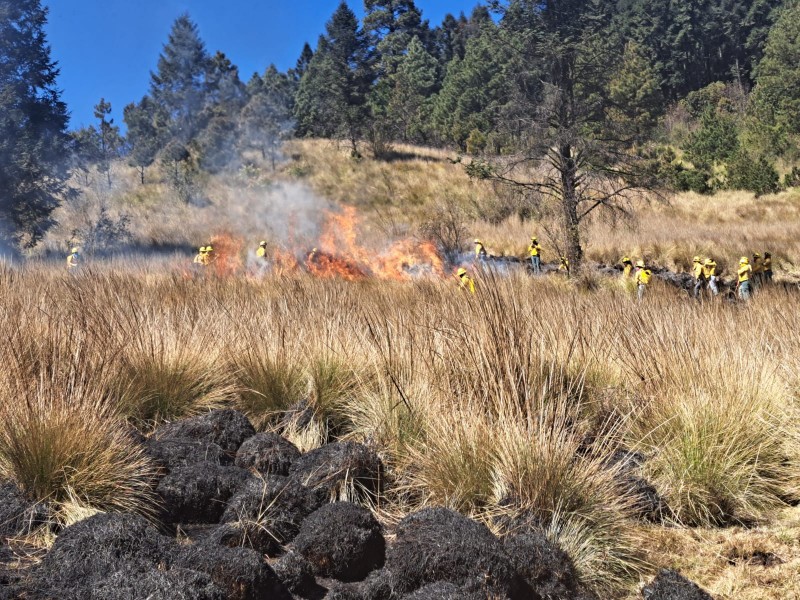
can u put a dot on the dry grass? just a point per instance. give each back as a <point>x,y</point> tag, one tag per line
<point>510,400</point>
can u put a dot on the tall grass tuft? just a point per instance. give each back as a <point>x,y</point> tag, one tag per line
<point>60,438</point>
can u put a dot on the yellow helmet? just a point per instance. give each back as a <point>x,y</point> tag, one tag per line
<point>640,264</point>
<point>262,243</point>
<point>756,255</point>
<point>744,261</point>
<point>696,259</point>
<point>708,261</point>
<point>477,241</point>
<point>461,271</point>
<point>534,238</point>
<point>209,249</point>
<point>625,259</point>
<point>202,249</point>
<point>74,250</point>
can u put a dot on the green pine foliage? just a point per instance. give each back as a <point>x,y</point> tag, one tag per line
<point>33,124</point>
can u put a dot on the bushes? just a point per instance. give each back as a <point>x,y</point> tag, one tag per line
<point>753,174</point>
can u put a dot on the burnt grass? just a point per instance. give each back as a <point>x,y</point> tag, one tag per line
<point>247,516</point>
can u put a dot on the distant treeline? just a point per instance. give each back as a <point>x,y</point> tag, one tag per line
<point>715,82</point>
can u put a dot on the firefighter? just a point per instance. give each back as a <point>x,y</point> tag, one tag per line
<point>699,277</point>
<point>208,256</point>
<point>480,250</point>
<point>627,267</point>
<point>643,277</point>
<point>758,269</point>
<point>710,273</point>
<point>535,250</point>
<point>262,250</point>
<point>767,268</point>
<point>745,273</point>
<point>72,259</point>
<point>200,258</point>
<point>563,266</point>
<point>467,283</point>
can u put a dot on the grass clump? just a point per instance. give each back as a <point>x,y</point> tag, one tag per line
<point>268,385</point>
<point>61,441</point>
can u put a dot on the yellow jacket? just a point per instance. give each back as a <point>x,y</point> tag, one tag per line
<point>627,270</point>
<point>467,283</point>
<point>72,261</point>
<point>200,259</point>
<point>643,276</point>
<point>535,249</point>
<point>697,270</point>
<point>261,252</point>
<point>744,273</point>
<point>710,269</point>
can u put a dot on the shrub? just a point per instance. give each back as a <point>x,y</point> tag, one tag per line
<point>755,175</point>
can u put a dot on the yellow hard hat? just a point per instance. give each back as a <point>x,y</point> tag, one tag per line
<point>462,271</point>
<point>209,248</point>
<point>744,260</point>
<point>477,241</point>
<point>74,250</point>
<point>756,255</point>
<point>696,259</point>
<point>707,261</point>
<point>262,243</point>
<point>640,263</point>
<point>625,259</point>
<point>202,248</point>
<point>534,238</point>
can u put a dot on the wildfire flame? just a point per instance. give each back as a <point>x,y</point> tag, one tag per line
<point>339,255</point>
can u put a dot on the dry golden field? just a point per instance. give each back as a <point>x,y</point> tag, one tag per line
<point>518,399</point>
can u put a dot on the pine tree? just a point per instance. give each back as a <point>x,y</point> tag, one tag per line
<point>266,120</point>
<point>775,103</point>
<point>303,61</point>
<point>415,82</point>
<point>109,138</point>
<point>474,89</point>
<point>178,87</point>
<point>332,97</point>
<point>33,122</point>
<point>634,94</point>
<point>143,135</point>
<point>563,59</point>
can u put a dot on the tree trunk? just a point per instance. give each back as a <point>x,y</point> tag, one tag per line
<point>569,200</point>
<point>141,174</point>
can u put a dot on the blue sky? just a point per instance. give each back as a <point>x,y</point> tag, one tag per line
<point>107,48</point>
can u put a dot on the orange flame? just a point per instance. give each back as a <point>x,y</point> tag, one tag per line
<point>339,255</point>
<point>226,259</point>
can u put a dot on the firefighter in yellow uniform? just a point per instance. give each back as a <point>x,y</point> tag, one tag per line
<point>699,277</point>
<point>262,250</point>
<point>745,274</point>
<point>72,259</point>
<point>563,266</point>
<point>643,278</point>
<point>767,268</point>
<point>710,273</point>
<point>535,250</point>
<point>208,256</point>
<point>200,258</point>
<point>467,283</point>
<point>480,250</point>
<point>627,267</point>
<point>758,269</point>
